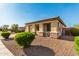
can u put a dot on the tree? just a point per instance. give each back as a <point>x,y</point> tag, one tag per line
<point>5,28</point>
<point>76,26</point>
<point>75,30</point>
<point>14,28</point>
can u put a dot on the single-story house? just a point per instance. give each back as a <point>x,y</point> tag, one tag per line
<point>52,27</point>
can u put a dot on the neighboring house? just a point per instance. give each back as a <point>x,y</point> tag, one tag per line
<point>21,29</point>
<point>51,27</point>
<point>67,31</point>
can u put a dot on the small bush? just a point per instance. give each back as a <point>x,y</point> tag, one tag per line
<point>77,44</point>
<point>24,38</point>
<point>5,35</point>
<point>74,31</point>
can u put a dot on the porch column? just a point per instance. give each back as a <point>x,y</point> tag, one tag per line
<point>40,29</point>
<point>54,31</point>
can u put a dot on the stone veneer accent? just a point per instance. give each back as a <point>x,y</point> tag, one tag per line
<point>54,35</point>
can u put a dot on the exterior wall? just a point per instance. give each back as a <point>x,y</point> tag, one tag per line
<point>27,28</point>
<point>60,29</point>
<point>33,28</point>
<point>54,31</point>
<point>40,29</point>
<point>30,28</point>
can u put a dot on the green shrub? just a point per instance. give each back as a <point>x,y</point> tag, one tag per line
<point>5,35</point>
<point>74,31</point>
<point>24,38</point>
<point>77,44</point>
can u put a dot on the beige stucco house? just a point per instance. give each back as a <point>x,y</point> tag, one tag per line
<point>52,27</point>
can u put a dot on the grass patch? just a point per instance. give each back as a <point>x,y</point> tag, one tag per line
<point>77,43</point>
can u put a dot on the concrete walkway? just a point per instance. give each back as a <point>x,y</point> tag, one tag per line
<point>3,50</point>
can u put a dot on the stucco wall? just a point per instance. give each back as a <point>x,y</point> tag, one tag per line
<point>26,28</point>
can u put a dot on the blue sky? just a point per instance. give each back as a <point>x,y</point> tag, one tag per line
<point>23,13</point>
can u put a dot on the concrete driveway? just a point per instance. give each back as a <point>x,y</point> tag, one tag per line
<point>61,47</point>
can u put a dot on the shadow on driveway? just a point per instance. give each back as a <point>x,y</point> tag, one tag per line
<point>36,50</point>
